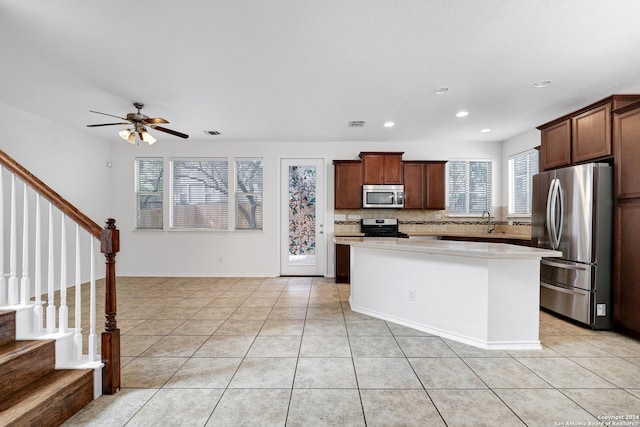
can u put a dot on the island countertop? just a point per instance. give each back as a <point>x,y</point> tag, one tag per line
<point>456,248</point>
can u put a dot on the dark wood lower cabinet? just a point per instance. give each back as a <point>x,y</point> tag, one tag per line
<point>343,263</point>
<point>626,311</point>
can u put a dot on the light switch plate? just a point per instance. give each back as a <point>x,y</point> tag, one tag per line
<point>339,217</point>
<point>601,309</point>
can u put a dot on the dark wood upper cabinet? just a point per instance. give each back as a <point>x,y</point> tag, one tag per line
<point>582,136</point>
<point>592,134</point>
<point>556,145</point>
<point>348,184</point>
<point>424,184</point>
<point>627,153</point>
<point>381,167</point>
<point>434,190</point>
<point>413,183</point>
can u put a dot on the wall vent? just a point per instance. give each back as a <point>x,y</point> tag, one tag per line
<point>212,132</point>
<point>356,123</point>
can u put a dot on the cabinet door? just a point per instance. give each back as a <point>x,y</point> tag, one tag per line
<point>591,134</point>
<point>348,184</point>
<point>434,188</point>
<point>381,168</point>
<point>627,153</point>
<point>343,263</point>
<point>373,169</point>
<point>556,145</point>
<point>392,169</point>
<point>413,184</point>
<point>626,290</point>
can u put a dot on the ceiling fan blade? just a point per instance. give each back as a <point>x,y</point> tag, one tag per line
<point>154,120</point>
<point>172,132</point>
<point>105,114</point>
<point>109,124</point>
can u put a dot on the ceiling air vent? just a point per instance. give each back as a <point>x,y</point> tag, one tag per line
<point>212,132</point>
<point>356,123</point>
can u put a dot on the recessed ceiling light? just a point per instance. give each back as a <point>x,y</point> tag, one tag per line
<point>462,114</point>
<point>542,83</point>
<point>389,124</point>
<point>441,90</point>
<point>485,130</point>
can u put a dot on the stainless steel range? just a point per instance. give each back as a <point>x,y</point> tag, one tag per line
<point>386,227</point>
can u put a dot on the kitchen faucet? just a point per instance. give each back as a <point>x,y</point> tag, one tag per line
<point>490,226</point>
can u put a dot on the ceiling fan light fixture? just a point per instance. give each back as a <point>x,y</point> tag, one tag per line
<point>128,135</point>
<point>146,137</point>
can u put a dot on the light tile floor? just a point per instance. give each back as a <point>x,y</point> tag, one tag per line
<point>289,351</point>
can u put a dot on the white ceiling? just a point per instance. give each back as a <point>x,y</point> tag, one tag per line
<point>300,70</point>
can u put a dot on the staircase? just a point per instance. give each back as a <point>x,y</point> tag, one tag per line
<point>32,391</point>
<point>53,359</point>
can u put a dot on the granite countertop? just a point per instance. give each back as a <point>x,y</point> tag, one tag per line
<point>456,248</point>
<point>493,235</point>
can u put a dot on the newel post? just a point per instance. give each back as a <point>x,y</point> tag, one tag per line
<point>109,246</point>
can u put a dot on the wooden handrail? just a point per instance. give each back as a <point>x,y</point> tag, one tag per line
<point>54,198</point>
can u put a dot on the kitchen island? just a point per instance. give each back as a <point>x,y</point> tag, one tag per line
<point>482,294</point>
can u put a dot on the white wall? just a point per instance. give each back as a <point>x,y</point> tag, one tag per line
<point>72,163</point>
<point>177,253</point>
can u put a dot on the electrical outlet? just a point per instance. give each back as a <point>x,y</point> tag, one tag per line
<point>339,217</point>
<point>438,216</point>
<point>354,216</point>
<point>412,295</point>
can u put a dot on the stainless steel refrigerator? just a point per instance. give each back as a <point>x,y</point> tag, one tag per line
<point>572,211</point>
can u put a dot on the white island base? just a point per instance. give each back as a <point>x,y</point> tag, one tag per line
<point>483,294</point>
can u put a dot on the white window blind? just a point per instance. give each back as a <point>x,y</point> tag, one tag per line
<point>248,194</point>
<point>199,194</point>
<point>469,186</point>
<point>522,167</point>
<point>149,189</point>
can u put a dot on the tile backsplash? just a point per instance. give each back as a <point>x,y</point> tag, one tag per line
<point>423,221</point>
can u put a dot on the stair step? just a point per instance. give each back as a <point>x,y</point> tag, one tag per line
<point>7,327</point>
<point>50,401</point>
<point>23,362</point>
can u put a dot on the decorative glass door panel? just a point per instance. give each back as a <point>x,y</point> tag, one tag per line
<point>303,243</point>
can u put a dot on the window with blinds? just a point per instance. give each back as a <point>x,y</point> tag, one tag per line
<point>522,167</point>
<point>199,194</point>
<point>469,186</point>
<point>149,189</point>
<point>248,194</point>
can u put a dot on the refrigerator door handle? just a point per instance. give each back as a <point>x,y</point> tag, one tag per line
<point>561,265</point>
<point>549,221</point>
<point>560,212</point>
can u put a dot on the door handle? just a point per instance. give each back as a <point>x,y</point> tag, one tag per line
<point>565,266</point>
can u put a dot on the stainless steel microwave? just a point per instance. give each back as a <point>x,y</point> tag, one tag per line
<point>383,196</point>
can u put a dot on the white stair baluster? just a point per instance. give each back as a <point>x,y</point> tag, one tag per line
<point>51,308</point>
<point>37,310</point>
<point>13,249</point>
<point>63,312</point>
<point>92,304</point>
<point>78,308</point>
<point>3,281</point>
<point>25,280</point>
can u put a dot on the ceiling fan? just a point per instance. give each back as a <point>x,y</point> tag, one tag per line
<point>139,121</point>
